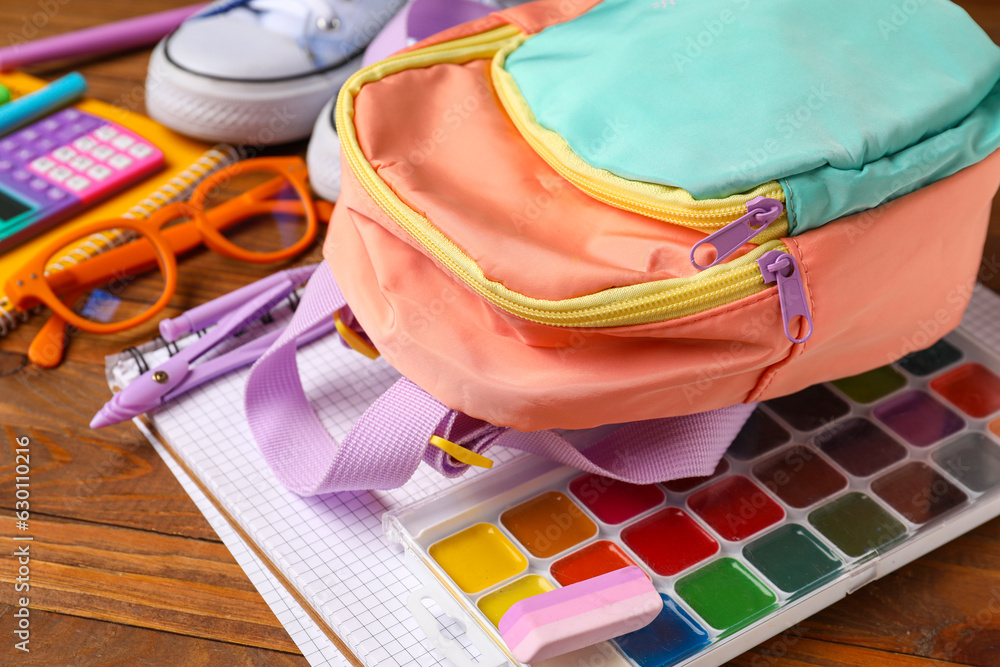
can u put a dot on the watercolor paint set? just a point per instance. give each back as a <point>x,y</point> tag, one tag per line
<point>822,492</point>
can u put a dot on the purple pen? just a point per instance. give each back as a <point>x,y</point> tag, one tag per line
<point>100,40</point>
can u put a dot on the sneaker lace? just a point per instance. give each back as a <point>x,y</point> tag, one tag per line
<point>298,19</point>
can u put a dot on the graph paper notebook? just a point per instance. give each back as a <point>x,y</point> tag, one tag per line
<point>322,563</point>
<point>329,549</point>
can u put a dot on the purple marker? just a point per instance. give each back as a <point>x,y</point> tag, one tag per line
<point>99,40</point>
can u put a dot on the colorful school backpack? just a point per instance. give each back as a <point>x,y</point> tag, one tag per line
<point>575,213</point>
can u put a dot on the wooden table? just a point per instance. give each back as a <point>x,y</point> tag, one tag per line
<point>125,570</point>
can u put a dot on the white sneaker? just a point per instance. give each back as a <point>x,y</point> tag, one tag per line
<point>323,155</point>
<point>258,71</point>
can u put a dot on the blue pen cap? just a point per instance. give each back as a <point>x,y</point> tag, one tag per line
<point>42,102</point>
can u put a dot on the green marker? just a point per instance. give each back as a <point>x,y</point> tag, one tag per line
<point>4,95</point>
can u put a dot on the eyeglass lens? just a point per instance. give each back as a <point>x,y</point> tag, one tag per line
<point>257,211</point>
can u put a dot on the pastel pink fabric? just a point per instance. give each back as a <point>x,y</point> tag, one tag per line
<point>889,281</point>
<point>386,445</point>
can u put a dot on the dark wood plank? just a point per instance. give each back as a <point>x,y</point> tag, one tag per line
<point>60,639</point>
<point>175,584</point>
<point>112,478</point>
<point>145,556</point>
<point>795,649</point>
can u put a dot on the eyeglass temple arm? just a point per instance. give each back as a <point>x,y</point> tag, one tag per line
<point>263,192</point>
<point>123,263</point>
<point>49,344</point>
<point>324,209</point>
<point>137,257</point>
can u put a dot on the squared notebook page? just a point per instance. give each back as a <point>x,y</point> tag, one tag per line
<point>307,635</point>
<point>329,547</point>
<point>982,318</point>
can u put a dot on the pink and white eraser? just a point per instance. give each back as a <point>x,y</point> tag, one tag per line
<point>581,614</point>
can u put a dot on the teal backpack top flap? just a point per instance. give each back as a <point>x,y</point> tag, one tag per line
<point>847,104</point>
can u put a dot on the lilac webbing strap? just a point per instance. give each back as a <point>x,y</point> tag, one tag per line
<point>387,444</point>
<point>381,451</point>
<point>644,452</point>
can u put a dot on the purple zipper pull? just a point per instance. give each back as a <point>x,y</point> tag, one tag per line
<point>780,266</point>
<point>761,212</point>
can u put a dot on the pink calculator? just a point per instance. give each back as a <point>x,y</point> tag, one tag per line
<point>63,164</point>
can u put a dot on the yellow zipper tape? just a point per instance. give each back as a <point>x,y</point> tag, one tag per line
<point>617,306</point>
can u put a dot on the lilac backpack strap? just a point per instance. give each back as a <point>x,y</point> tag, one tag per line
<point>388,442</point>
<point>644,452</point>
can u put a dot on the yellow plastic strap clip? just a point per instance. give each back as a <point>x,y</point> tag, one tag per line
<point>461,454</point>
<point>351,337</point>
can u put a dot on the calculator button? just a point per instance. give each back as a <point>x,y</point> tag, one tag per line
<point>8,145</point>
<point>21,175</point>
<point>59,174</point>
<point>122,141</point>
<point>70,114</point>
<point>140,151</point>
<point>42,165</point>
<point>55,194</point>
<point>106,133</point>
<point>99,172</point>
<point>29,135</point>
<point>25,154</point>
<point>38,184</point>
<point>78,183</point>
<point>103,152</point>
<point>120,161</point>
<point>84,144</point>
<point>64,153</point>
<point>81,163</point>
<point>5,165</point>
<point>45,144</point>
<point>50,125</point>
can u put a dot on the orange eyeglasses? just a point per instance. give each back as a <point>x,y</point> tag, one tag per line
<point>257,211</point>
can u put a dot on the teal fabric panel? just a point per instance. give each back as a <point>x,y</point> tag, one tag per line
<point>828,193</point>
<point>719,96</point>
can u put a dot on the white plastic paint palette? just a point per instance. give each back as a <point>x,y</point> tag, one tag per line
<point>822,492</point>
